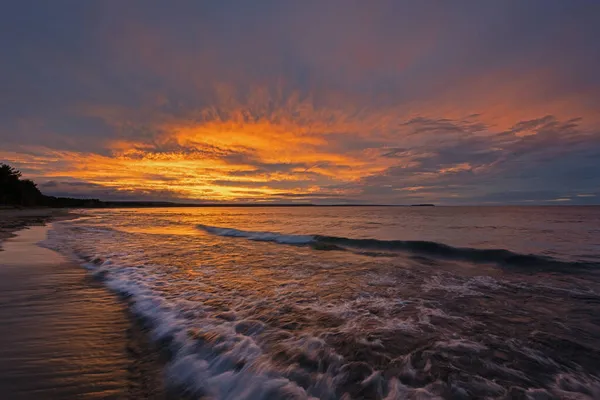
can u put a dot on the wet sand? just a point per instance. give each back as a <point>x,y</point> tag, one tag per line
<point>63,335</point>
<point>15,219</point>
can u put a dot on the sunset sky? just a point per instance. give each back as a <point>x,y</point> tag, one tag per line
<point>390,102</point>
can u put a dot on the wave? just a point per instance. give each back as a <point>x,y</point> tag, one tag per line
<point>259,236</point>
<point>208,356</point>
<point>420,247</point>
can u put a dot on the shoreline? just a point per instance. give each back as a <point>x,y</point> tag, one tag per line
<point>65,334</point>
<point>13,220</point>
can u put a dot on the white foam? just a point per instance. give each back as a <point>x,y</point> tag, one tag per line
<point>211,356</point>
<point>460,345</point>
<point>223,344</point>
<point>426,313</point>
<point>366,313</point>
<point>461,287</point>
<point>206,352</point>
<point>398,391</point>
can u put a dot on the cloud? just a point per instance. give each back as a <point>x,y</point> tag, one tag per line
<point>79,189</point>
<point>388,102</point>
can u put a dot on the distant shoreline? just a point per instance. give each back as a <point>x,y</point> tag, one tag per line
<point>160,204</point>
<point>166,204</point>
<point>134,204</point>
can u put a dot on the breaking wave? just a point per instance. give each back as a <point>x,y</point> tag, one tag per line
<point>259,236</point>
<point>246,322</point>
<point>420,247</point>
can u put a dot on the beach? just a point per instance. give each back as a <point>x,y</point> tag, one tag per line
<point>15,219</point>
<point>357,303</point>
<point>63,335</point>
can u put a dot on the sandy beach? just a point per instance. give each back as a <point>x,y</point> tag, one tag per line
<point>15,219</point>
<point>63,335</point>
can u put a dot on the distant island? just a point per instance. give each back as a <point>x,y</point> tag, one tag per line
<point>18,192</point>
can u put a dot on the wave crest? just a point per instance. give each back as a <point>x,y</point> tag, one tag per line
<point>420,247</point>
<point>259,236</point>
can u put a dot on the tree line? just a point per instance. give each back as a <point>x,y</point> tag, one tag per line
<point>18,192</point>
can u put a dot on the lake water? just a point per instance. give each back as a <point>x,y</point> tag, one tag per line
<point>358,302</point>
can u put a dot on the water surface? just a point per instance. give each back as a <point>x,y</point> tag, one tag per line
<point>351,302</point>
<point>63,335</point>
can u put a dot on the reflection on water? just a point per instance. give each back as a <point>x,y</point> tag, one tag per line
<point>63,336</point>
<point>21,251</point>
<point>261,315</point>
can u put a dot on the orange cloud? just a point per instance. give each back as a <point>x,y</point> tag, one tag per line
<point>290,150</point>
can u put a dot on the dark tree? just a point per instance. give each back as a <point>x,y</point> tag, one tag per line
<point>16,191</point>
<point>8,173</point>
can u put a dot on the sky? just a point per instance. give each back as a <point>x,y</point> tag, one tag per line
<point>385,102</point>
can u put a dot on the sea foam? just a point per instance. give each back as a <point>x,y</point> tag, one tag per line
<point>224,344</point>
